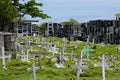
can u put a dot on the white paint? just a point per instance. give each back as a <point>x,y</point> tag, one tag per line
<point>34,71</point>
<point>80,64</point>
<point>3,58</point>
<point>25,57</point>
<point>103,67</point>
<point>93,40</point>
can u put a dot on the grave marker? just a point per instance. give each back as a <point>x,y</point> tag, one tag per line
<point>103,67</point>
<point>59,63</point>
<point>63,42</point>
<point>39,58</point>
<point>53,49</point>
<point>25,57</point>
<point>34,70</point>
<point>93,40</point>
<point>80,64</point>
<point>3,58</point>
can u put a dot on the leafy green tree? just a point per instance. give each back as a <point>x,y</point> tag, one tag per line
<point>71,22</point>
<point>7,13</point>
<point>65,23</point>
<point>117,16</point>
<point>31,8</point>
<point>42,28</point>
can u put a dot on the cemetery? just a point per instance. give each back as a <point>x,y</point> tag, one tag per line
<point>40,58</point>
<point>58,50</point>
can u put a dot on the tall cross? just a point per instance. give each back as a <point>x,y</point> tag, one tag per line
<point>103,67</point>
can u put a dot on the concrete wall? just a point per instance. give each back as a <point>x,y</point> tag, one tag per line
<point>1,42</point>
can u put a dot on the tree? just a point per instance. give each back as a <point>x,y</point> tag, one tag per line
<point>71,22</point>
<point>117,16</point>
<point>42,28</point>
<point>31,8</point>
<point>7,13</point>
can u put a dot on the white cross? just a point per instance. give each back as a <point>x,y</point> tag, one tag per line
<point>80,64</point>
<point>103,67</point>
<point>34,70</point>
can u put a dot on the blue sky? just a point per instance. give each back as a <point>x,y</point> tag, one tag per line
<point>80,10</point>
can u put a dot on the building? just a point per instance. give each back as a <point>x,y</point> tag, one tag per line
<point>106,31</point>
<point>7,40</point>
<point>27,29</point>
<point>52,29</point>
<point>117,32</point>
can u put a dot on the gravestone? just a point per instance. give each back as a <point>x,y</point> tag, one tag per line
<point>40,54</point>
<point>58,59</point>
<point>25,57</point>
<point>3,57</point>
<point>59,63</point>
<point>93,40</point>
<point>34,70</point>
<point>80,64</point>
<point>53,49</point>
<point>79,67</point>
<point>63,42</point>
<point>103,67</point>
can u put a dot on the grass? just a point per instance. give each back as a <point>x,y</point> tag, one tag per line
<point>16,70</point>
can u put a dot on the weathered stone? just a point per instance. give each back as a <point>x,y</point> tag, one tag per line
<point>59,65</point>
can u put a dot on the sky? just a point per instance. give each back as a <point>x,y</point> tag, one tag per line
<point>80,10</point>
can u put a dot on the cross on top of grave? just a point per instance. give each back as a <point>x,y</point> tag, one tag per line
<point>103,67</point>
<point>63,42</point>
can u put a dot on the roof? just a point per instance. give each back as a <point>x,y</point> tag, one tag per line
<point>31,21</point>
<point>6,33</point>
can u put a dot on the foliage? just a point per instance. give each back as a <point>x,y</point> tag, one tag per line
<point>18,20</point>
<point>42,28</point>
<point>117,14</point>
<point>7,12</point>
<point>70,22</point>
<point>31,8</point>
<point>73,21</point>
